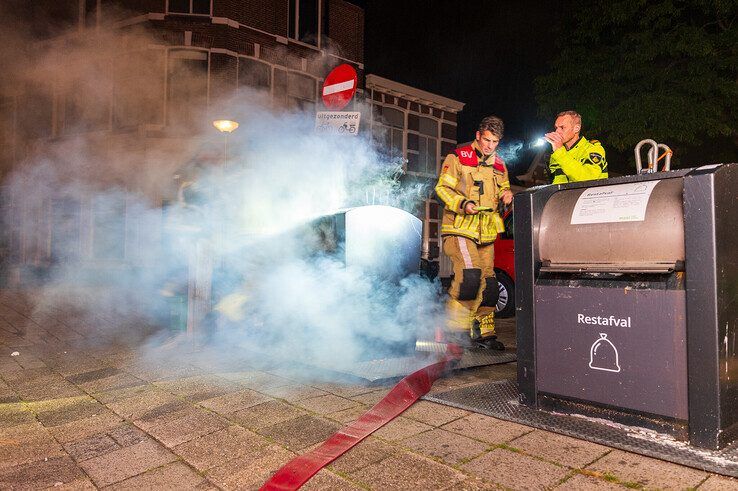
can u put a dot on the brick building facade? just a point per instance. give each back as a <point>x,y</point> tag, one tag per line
<point>147,93</point>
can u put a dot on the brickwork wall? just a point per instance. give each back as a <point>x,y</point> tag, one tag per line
<point>346,29</point>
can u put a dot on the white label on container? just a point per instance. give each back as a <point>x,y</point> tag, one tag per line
<point>618,203</point>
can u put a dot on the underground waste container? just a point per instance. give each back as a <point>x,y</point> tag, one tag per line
<point>627,300</point>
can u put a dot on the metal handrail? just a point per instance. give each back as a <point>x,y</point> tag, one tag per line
<point>653,156</point>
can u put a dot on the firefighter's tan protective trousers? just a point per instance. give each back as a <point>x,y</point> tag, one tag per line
<point>473,266</point>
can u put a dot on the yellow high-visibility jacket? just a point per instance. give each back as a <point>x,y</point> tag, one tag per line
<point>467,176</point>
<point>582,162</point>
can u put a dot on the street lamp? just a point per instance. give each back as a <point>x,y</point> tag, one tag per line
<point>225,126</point>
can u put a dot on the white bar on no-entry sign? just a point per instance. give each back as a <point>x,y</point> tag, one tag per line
<point>332,89</point>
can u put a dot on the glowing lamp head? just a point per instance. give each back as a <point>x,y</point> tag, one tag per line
<point>225,125</point>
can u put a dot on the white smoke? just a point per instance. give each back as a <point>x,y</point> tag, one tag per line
<point>182,208</point>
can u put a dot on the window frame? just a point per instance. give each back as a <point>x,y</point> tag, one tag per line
<point>209,14</point>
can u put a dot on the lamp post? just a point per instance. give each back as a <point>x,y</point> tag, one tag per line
<point>225,126</point>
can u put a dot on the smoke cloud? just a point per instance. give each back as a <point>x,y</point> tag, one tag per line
<point>124,206</point>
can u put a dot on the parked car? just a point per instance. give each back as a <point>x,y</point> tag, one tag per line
<point>505,267</point>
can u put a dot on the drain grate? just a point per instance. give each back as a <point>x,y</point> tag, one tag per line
<point>500,399</point>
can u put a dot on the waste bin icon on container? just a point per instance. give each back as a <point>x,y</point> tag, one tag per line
<point>603,355</point>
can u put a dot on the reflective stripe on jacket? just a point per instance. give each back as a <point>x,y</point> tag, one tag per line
<point>466,176</point>
<point>582,162</point>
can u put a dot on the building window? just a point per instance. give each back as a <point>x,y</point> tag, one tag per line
<point>198,7</point>
<point>294,90</point>
<point>7,133</point>
<point>109,227</point>
<point>138,90</point>
<point>253,73</point>
<point>91,11</point>
<point>87,100</point>
<point>187,87</point>
<point>422,146</point>
<point>388,130</point>
<point>65,230</point>
<point>35,111</point>
<point>304,15</point>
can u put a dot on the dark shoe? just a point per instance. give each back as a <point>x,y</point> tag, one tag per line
<point>490,343</point>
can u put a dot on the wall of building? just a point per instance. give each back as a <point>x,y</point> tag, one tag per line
<point>152,93</point>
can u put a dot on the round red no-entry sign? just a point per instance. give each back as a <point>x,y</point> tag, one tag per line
<point>339,87</point>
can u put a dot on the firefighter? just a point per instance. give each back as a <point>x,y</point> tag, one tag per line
<point>574,158</point>
<point>473,180</point>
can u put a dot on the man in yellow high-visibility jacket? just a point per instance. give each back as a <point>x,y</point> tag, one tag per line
<point>574,158</point>
<point>473,180</point>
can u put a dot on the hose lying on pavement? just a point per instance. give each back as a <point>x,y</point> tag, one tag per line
<point>403,395</point>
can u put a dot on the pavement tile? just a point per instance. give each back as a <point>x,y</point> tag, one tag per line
<point>256,380</point>
<point>250,472</point>
<point>326,404</point>
<point>221,446</point>
<point>348,415</point>
<point>487,429</point>
<point>90,376</point>
<point>515,470</point>
<point>371,398</point>
<point>82,428</point>
<point>13,414</point>
<point>16,454</point>
<point>199,388</point>
<point>365,453</point>
<point>182,426</point>
<point>647,472</point>
<point>473,483</point>
<point>41,474</point>
<point>580,482</point>
<point>401,428</point>
<point>449,447</point>
<point>53,388</point>
<point>433,413</point>
<point>327,480</point>
<point>114,382</point>
<point>265,414</point>
<point>8,396</point>
<point>559,448</point>
<point>152,371</point>
<point>403,471</point>
<point>92,446</point>
<point>175,476</point>
<point>113,395</point>
<point>126,462</point>
<point>30,432</point>
<point>62,411</point>
<point>346,390</point>
<point>293,392</point>
<point>21,377</point>
<point>719,483</point>
<point>79,484</point>
<point>148,405</point>
<point>235,401</point>
<point>73,363</point>
<point>301,432</point>
<point>126,435</point>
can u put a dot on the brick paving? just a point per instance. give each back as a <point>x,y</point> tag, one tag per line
<point>79,409</point>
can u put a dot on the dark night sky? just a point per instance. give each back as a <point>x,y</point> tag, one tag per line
<point>483,53</point>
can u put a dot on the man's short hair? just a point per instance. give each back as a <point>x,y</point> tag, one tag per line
<point>493,124</point>
<point>577,117</point>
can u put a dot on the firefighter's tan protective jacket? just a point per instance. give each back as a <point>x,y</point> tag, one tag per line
<point>467,176</point>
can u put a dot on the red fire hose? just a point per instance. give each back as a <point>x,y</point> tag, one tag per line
<point>408,390</point>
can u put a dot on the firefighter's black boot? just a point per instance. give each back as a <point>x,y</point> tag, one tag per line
<point>489,342</point>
